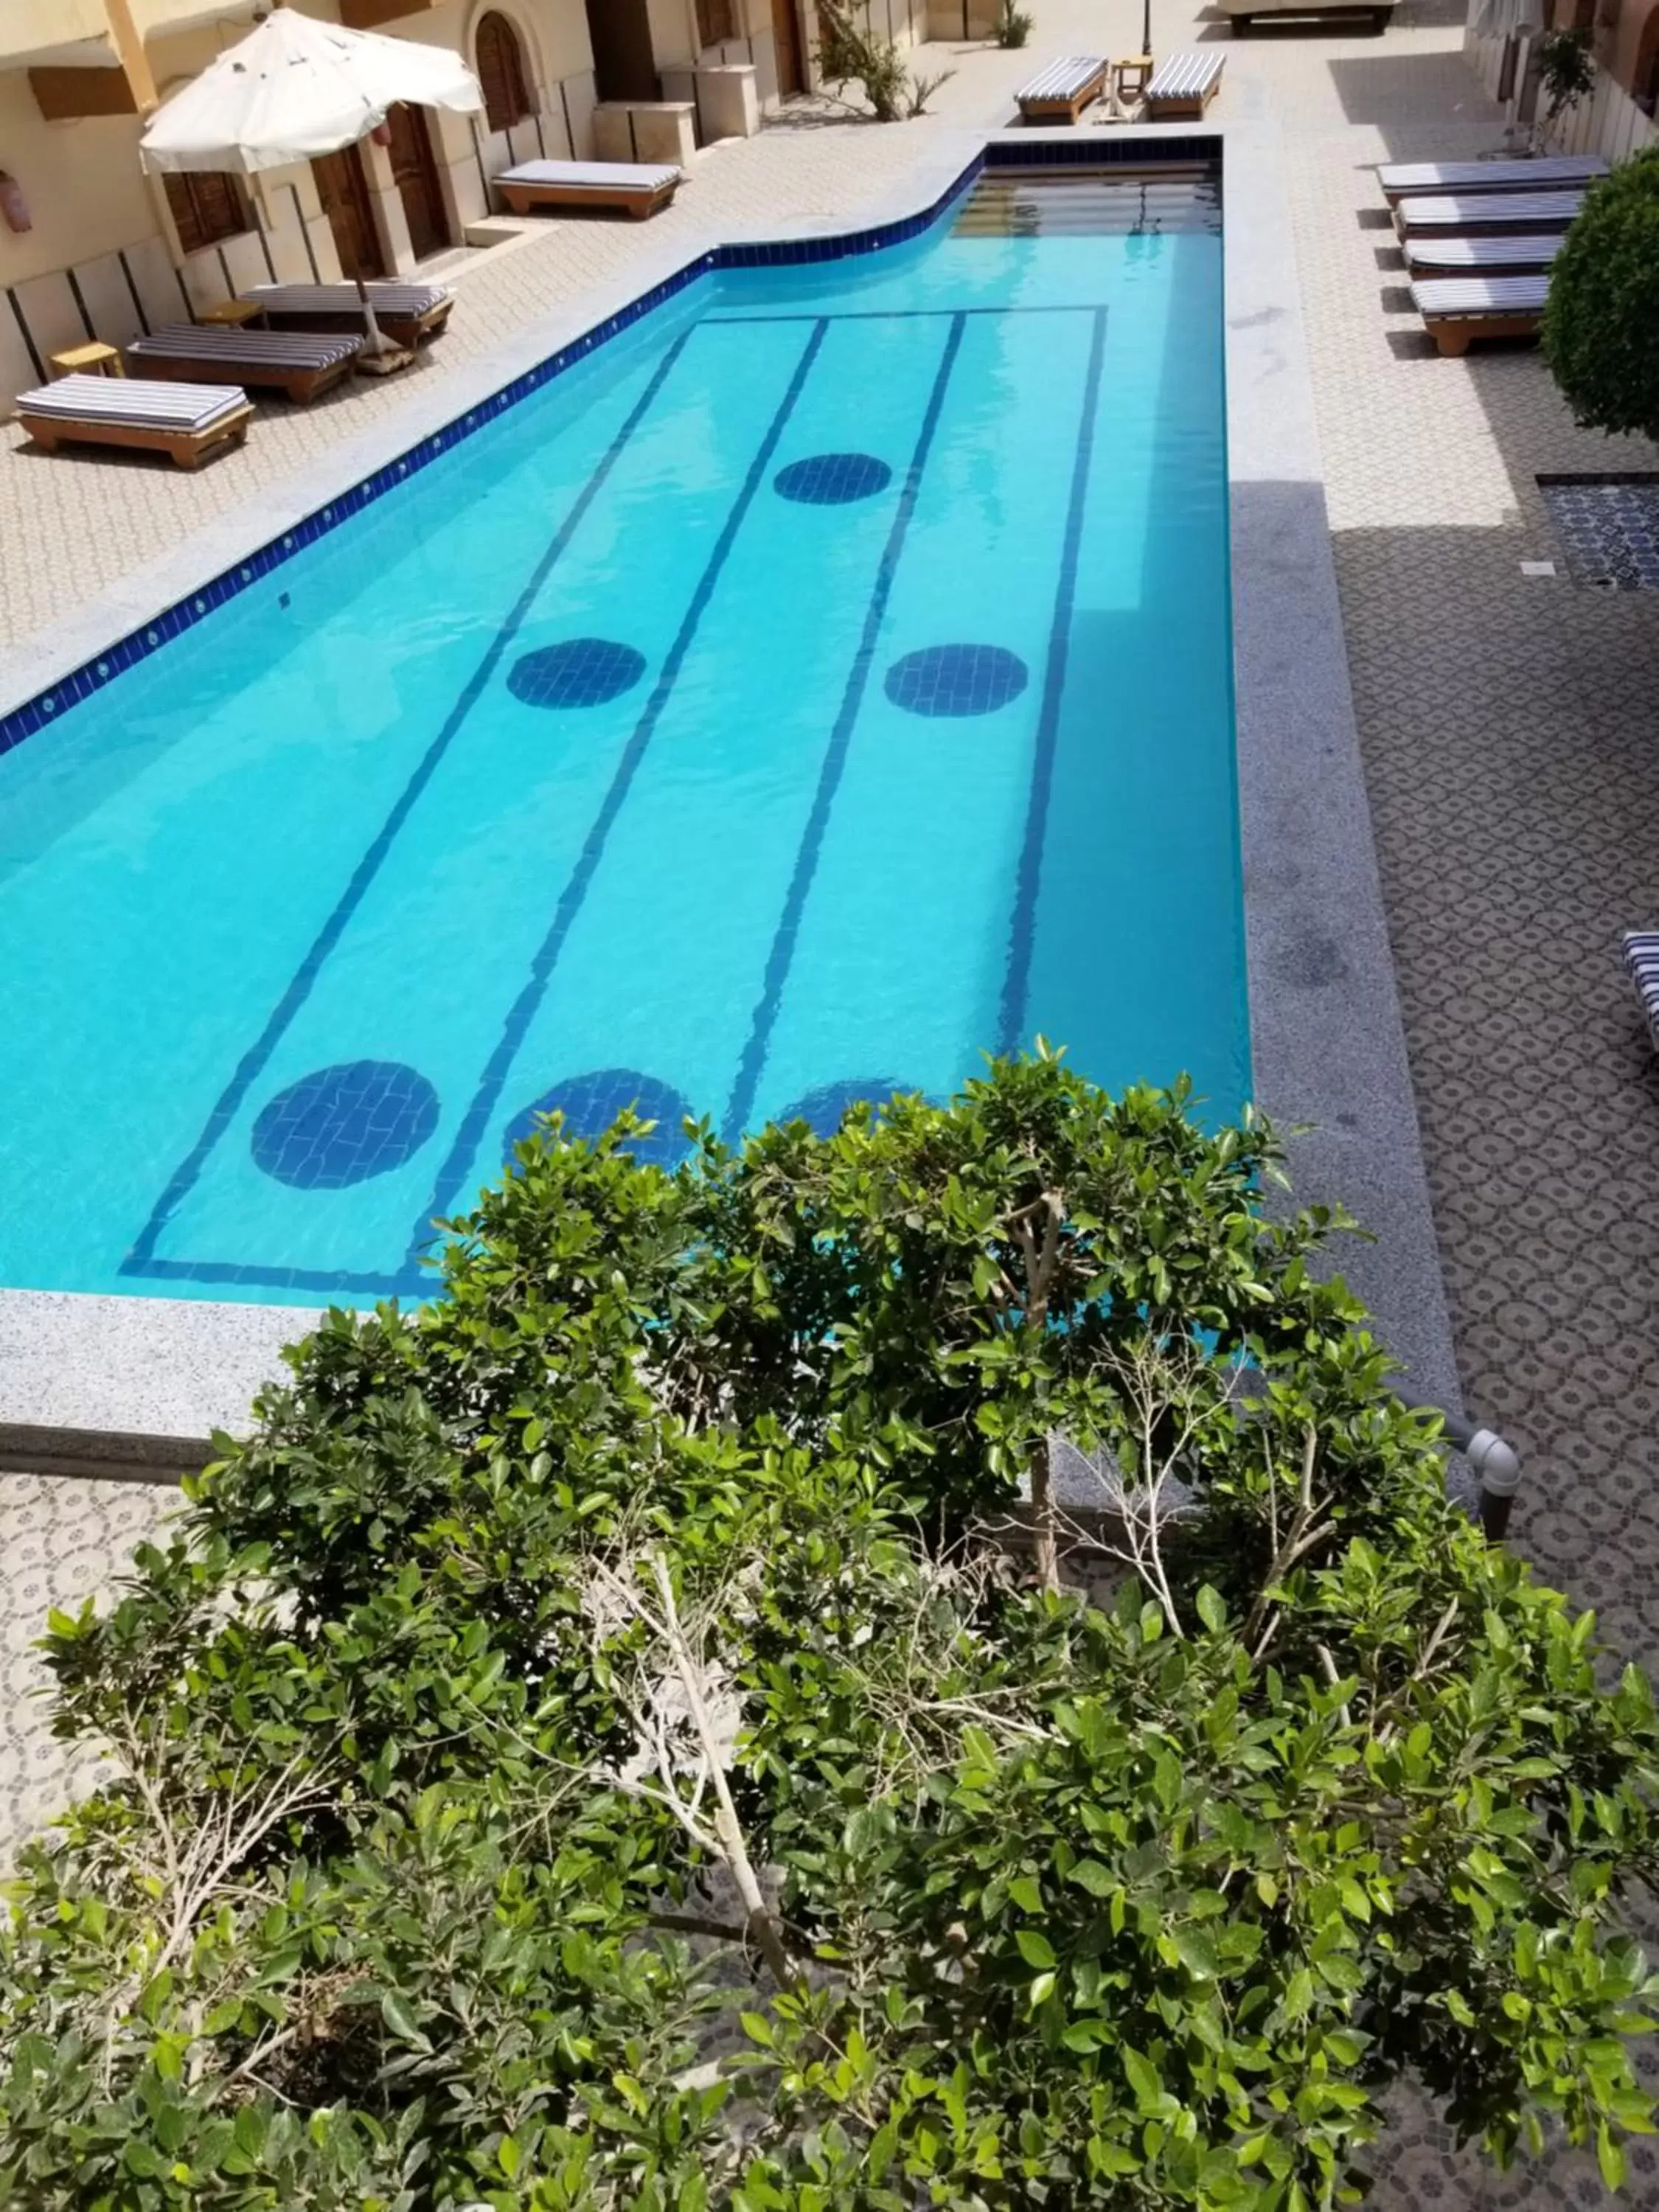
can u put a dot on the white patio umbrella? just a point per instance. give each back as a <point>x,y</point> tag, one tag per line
<point>295,87</point>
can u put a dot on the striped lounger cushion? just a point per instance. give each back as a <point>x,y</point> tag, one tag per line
<point>1185,76</point>
<point>1446,257</point>
<point>1480,295</point>
<point>1641,948</point>
<point>593,176</point>
<point>342,299</point>
<point>1063,79</point>
<point>268,349</point>
<point>145,404</point>
<point>1482,210</point>
<point>1490,176</point>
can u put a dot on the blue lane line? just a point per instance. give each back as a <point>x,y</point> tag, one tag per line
<point>834,759</point>
<point>1017,977</point>
<point>476,1118</point>
<point>139,1261</point>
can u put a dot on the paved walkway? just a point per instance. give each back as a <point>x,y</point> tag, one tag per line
<point>1509,731</point>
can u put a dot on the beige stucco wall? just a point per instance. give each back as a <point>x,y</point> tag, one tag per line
<point>1608,122</point>
<point>101,251</point>
<point>78,179</point>
<point>29,26</point>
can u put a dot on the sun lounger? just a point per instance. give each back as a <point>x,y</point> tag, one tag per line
<point>1331,14</point>
<point>407,314</point>
<point>294,361</point>
<point>1481,257</point>
<point>1400,179</point>
<point>1520,212</point>
<point>1641,952</point>
<point>1063,90</point>
<point>180,420</point>
<point>1184,86</point>
<point>1456,310</point>
<point>638,188</point>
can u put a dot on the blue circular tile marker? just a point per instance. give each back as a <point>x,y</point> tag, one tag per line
<point>957,679</point>
<point>823,1109</point>
<point>832,479</point>
<point>590,1104</point>
<point>345,1124</point>
<point>580,671</point>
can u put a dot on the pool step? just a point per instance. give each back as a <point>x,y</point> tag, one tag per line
<point>1107,203</point>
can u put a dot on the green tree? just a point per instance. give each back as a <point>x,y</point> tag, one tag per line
<point>1601,320</point>
<point>594,1744</point>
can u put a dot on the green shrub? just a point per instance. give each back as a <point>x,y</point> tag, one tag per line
<point>850,52</point>
<point>1602,319</point>
<point>1566,71</point>
<point>584,1749</point>
<point>1014,25</point>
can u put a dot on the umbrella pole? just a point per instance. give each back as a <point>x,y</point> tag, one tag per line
<point>379,356</point>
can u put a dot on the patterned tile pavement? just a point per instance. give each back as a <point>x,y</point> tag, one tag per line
<point>1609,529</point>
<point>1510,734</point>
<point>61,1541</point>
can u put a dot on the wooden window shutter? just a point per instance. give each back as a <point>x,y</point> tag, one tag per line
<point>502,72</point>
<point>715,22</point>
<point>206,206</point>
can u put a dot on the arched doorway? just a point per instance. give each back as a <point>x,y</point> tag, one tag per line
<point>501,72</point>
<point>343,191</point>
<point>1644,78</point>
<point>624,62</point>
<point>788,46</point>
<point>416,175</point>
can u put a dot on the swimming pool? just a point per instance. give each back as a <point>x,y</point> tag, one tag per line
<point>826,681</point>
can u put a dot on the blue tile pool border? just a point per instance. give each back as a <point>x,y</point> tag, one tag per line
<point>42,710</point>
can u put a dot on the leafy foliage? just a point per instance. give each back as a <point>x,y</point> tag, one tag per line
<point>850,51</point>
<point>445,1727</point>
<point>1013,24</point>
<point>1566,69</point>
<point>1600,330</point>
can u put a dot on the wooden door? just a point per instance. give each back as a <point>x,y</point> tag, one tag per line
<point>344,190</point>
<point>624,64</point>
<point>786,40</point>
<point>416,175</point>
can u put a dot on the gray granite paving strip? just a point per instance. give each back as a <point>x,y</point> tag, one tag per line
<point>1325,1025</point>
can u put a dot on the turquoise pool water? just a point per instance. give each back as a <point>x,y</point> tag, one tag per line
<point>826,684</point>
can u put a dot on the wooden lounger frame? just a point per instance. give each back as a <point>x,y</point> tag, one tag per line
<point>406,331</point>
<point>1475,222</point>
<point>636,200</point>
<point>297,383</point>
<point>1063,107</point>
<point>1374,20</point>
<point>1182,107</point>
<point>1522,264</point>
<point>1454,334</point>
<point>1502,179</point>
<point>184,447</point>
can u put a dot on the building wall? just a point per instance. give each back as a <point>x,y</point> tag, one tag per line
<point>1608,122</point>
<point>1623,26</point>
<point>103,259</point>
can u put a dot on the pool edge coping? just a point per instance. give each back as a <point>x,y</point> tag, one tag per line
<point>1327,1034</point>
<point>155,1374</point>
